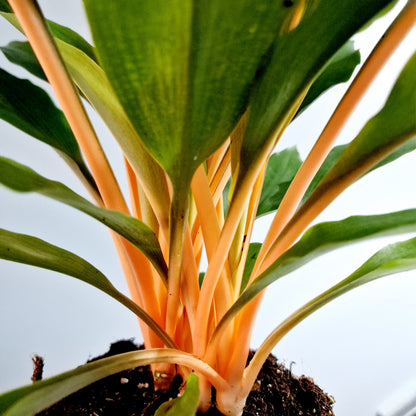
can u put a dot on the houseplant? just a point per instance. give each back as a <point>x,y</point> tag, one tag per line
<point>255,111</point>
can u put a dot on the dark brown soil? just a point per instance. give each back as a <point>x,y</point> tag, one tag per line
<point>130,393</point>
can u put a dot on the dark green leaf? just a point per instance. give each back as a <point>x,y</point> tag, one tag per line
<point>339,69</point>
<point>23,179</point>
<point>5,7</point>
<point>253,252</point>
<point>296,60</point>
<point>58,31</point>
<point>321,239</point>
<point>31,399</point>
<point>336,152</point>
<point>185,405</point>
<point>381,140</point>
<point>30,109</point>
<point>201,278</point>
<point>281,169</point>
<point>394,258</point>
<point>94,85</point>
<point>21,53</point>
<point>183,69</point>
<point>72,38</point>
<point>33,251</point>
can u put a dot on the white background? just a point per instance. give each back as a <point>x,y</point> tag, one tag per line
<point>360,348</point>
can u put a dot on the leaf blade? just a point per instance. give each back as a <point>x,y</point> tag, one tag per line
<point>320,239</point>
<point>185,405</point>
<point>33,251</point>
<point>338,70</point>
<point>281,169</point>
<point>30,109</point>
<point>20,178</point>
<point>28,400</point>
<point>182,114</point>
<point>297,58</point>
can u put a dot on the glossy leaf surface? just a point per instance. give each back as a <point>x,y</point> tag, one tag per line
<point>63,33</point>
<point>296,60</point>
<point>21,53</point>
<point>336,152</point>
<point>30,109</point>
<point>23,179</point>
<point>30,250</point>
<point>281,169</point>
<point>323,238</point>
<point>185,405</point>
<point>183,69</point>
<point>29,400</point>
<point>95,87</point>
<point>395,258</point>
<point>339,69</point>
<point>381,138</point>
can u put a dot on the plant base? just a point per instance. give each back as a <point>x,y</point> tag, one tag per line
<point>130,393</point>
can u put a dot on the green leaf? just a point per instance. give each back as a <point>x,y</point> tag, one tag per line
<point>296,60</point>
<point>183,69</point>
<point>30,109</point>
<point>30,250</point>
<point>186,405</point>
<point>92,81</point>
<point>58,31</point>
<point>395,258</point>
<point>323,238</point>
<point>23,179</point>
<point>339,69</point>
<point>31,399</point>
<point>21,53</point>
<point>94,85</point>
<point>253,252</point>
<point>4,6</point>
<point>281,169</point>
<point>379,142</point>
<point>72,38</point>
<point>336,152</point>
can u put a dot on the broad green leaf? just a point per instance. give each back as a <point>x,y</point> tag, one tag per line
<point>72,38</point>
<point>336,152</point>
<point>323,238</point>
<point>389,135</point>
<point>23,179</point>
<point>183,69</point>
<point>339,69</point>
<point>58,31</point>
<point>92,81</point>
<point>21,53</point>
<point>29,108</point>
<point>185,405</point>
<point>253,252</point>
<point>5,7</point>
<point>31,399</point>
<point>30,250</point>
<point>296,60</point>
<point>94,85</point>
<point>281,169</point>
<point>381,137</point>
<point>392,259</point>
<point>395,258</point>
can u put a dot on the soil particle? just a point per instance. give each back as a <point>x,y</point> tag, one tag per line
<point>130,393</point>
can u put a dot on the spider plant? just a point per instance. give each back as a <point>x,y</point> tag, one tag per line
<point>197,95</point>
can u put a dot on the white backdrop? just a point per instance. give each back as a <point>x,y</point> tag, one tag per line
<point>361,348</point>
